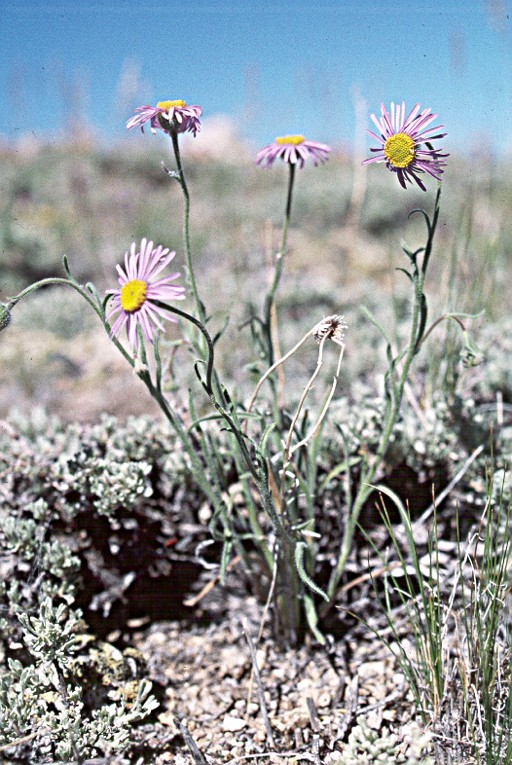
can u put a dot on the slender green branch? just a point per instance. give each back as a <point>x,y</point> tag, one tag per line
<point>209,342</point>
<point>431,231</point>
<point>445,317</point>
<point>86,294</point>
<point>393,410</point>
<point>47,283</point>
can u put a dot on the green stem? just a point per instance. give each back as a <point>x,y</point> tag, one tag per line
<point>209,386</point>
<point>173,419</point>
<point>210,371</point>
<point>97,308</point>
<point>186,228</point>
<point>259,475</point>
<point>279,264</point>
<point>365,487</point>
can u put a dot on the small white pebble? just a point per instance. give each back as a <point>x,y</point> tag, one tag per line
<point>233,724</point>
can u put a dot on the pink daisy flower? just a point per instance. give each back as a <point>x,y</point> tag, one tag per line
<point>294,149</point>
<point>405,143</point>
<point>132,301</point>
<point>167,116</point>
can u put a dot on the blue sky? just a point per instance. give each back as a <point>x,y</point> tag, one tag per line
<point>276,67</point>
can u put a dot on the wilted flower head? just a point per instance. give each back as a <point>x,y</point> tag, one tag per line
<point>167,116</point>
<point>405,143</point>
<point>332,326</point>
<point>294,149</point>
<point>133,300</point>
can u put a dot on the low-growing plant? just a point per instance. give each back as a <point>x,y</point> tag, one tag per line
<point>46,707</point>
<point>366,746</point>
<point>42,706</point>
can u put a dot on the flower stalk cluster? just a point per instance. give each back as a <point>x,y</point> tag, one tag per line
<point>277,458</point>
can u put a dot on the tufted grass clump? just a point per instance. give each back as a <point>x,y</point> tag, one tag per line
<point>449,623</point>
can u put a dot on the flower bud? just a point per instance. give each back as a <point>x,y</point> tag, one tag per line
<point>5,317</point>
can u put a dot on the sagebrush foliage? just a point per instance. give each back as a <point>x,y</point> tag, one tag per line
<point>43,709</point>
<point>49,659</point>
<point>58,480</point>
<point>366,746</point>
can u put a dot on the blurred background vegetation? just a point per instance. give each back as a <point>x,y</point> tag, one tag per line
<point>347,225</point>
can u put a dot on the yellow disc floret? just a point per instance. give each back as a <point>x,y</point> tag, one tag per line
<point>171,105</point>
<point>133,295</point>
<point>294,140</point>
<point>399,150</point>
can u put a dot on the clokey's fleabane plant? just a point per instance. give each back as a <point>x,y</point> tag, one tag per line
<point>133,301</point>
<point>405,143</point>
<point>167,116</point>
<point>267,448</point>
<point>294,149</point>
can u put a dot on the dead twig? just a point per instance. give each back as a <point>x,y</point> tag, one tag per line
<point>99,761</point>
<point>313,715</point>
<point>315,745</point>
<point>370,575</point>
<point>389,699</point>
<point>20,741</point>
<point>190,602</point>
<point>194,750</point>
<point>350,711</point>
<point>296,755</point>
<point>455,480</point>
<point>259,686</point>
<point>262,623</point>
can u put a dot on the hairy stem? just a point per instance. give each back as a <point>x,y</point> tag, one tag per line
<point>270,318</point>
<point>186,229</point>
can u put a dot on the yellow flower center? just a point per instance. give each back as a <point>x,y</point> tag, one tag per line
<point>133,295</point>
<point>170,105</point>
<point>293,139</point>
<point>399,150</point>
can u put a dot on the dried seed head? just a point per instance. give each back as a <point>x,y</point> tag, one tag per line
<point>333,327</point>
